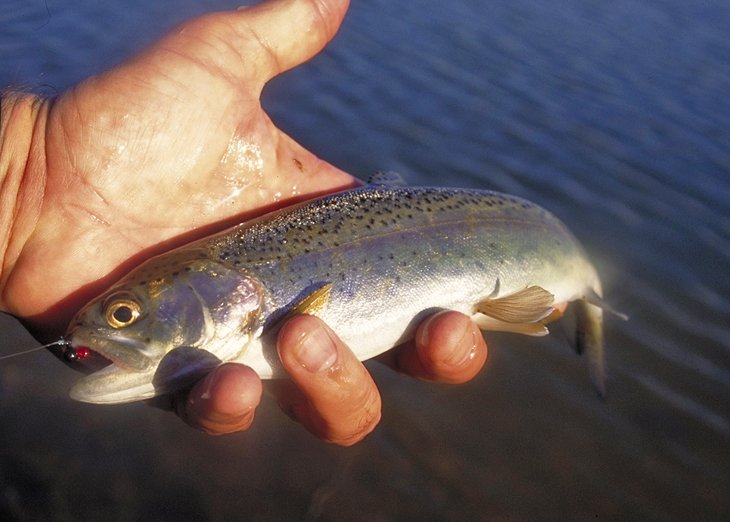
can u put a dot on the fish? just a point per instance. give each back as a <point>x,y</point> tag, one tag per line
<point>372,262</point>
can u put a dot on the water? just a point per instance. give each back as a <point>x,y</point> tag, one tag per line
<point>615,116</point>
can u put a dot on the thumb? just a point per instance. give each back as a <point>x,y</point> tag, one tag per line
<point>252,44</point>
<point>289,32</point>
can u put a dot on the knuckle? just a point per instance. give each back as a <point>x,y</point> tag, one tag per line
<point>359,424</point>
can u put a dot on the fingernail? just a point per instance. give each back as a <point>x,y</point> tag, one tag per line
<point>465,348</point>
<point>316,351</point>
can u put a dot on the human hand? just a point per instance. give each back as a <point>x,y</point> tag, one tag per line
<point>340,403</point>
<point>167,148</point>
<point>163,149</point>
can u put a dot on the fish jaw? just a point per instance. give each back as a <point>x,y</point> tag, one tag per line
<point>178,369</point>
<point>113,385</point>
<point>128,378</point>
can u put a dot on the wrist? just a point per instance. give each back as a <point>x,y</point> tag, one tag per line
<point>22,174</point>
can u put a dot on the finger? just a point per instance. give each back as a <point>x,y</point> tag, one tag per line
<point>448,347</point>
<point>334,396</point>
<point>223,402</point>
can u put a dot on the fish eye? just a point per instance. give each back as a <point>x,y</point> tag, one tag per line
<point>122,311</point>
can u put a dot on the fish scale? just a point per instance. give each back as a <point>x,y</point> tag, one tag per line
<point>372,262</point>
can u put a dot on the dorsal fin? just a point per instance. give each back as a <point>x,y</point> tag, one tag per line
<point>389,178</point>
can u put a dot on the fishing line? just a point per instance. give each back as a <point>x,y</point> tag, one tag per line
<point>60,342</point>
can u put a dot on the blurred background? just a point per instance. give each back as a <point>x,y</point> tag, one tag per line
<point>613,115</point>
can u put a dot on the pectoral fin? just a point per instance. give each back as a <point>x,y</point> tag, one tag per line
<point>531,305</point>
<point>310,304</point>
<point>313,302</point>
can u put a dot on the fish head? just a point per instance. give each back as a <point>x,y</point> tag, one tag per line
<point>165,325</point>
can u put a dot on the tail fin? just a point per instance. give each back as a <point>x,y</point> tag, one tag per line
<point>589,339</point>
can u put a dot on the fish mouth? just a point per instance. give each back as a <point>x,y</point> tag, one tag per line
<point>177,370</point>
<point>113,385</point>
<point>124,353</point>
<point>131,375</point>
<point>121,371</point>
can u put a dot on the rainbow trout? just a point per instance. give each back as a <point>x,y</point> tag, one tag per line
<point>372,262</point>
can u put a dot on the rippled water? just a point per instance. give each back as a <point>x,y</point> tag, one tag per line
<point>614,115</point>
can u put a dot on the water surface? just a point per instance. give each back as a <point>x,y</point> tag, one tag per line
<point>615,116</point>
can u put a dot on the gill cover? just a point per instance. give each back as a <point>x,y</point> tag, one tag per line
<point>165,333</point>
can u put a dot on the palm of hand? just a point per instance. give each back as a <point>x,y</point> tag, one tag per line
<point>150,155</point>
